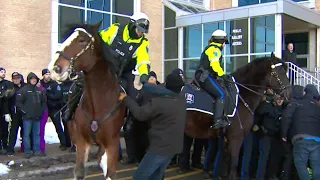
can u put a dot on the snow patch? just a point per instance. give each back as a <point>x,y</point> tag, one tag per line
<point>4,169</point>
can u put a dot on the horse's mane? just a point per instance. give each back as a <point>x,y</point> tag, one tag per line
<point>256,70</point>
<point>71,27</point>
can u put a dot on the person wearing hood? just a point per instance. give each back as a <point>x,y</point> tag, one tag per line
<point>303,118</point>
<point>31,101</point>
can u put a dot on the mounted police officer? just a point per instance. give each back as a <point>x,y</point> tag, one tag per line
<point>130,49</point>
<point>210,72</point>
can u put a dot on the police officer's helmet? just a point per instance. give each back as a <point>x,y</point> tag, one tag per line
<point>220,35</point>
<point>141,21</point>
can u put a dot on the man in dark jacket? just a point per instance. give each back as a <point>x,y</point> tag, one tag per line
<point>167,115</point>
<point>32,103</point>
<point>303,119</point>
<point>15,113</point>
<point>55,101</point>
<point>6,92</point>
<point>269,113</point>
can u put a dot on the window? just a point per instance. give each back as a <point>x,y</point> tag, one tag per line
<point>252,2</point>
<point>192,44</point>
<point>73,2</point>
<point>170,18</point>
<point>234,63</point>
<point>263,34</point>
<point>123,6</point>
<point>189,68</point>
<point>208,29</point>
<point>103,5</point>
<point>238,32</point>
<point>120,19</point>
<point>95,17</point>
<point>76,15</point>
<point>169,66</point>
<point>68,16</point>
<point>171,43</point>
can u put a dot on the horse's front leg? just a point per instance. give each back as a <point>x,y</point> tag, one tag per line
<point>109,159</point>
<point>83,150</point>
<point>234,151</point>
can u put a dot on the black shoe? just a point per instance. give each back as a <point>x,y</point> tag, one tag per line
<point>183,170</point>
<point>63,147</point>
<point>129,161</point>
<point>40,154</point>
<point>28,155</point>
<point>9,153</point>
<point>197,166</point>
<point>73,149</point>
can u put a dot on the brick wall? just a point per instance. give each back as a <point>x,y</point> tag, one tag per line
<point>220,4</point>
<point>317,5</point>
<point>154,11</point>
<point>25,39</point>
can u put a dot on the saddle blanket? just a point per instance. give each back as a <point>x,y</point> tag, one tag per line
<point>199,100</point>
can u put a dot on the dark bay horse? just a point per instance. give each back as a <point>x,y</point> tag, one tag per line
<point>100,115</point>
<point>252,80</point>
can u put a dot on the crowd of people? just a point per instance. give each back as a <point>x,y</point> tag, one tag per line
<point>28,105</point>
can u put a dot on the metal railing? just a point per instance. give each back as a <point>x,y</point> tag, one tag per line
<point>299,76</point>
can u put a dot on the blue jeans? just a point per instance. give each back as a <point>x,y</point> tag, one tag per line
<point>304,150</point>
<point>152,167</point>
<point>33,125</point>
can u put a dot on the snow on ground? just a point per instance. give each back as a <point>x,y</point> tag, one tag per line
<point>51,136</point>
<point>4,169</point>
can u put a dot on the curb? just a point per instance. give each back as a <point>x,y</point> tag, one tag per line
<point>62,168</point>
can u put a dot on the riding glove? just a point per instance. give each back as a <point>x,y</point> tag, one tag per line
<point>7,118</point>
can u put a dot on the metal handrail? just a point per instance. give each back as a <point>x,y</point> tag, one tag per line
<point>302,77</point>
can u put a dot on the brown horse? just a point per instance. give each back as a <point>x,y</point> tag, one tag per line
<point>100,115</point>
<point>252,80</point>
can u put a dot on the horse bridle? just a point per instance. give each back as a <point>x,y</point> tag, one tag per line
<point>276,76</point>
<point>72,60</point>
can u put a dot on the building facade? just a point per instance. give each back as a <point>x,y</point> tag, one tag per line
<point>32,30</point>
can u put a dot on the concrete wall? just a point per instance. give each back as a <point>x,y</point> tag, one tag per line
<point>25,35</point>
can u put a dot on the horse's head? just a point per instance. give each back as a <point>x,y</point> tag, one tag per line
<point>263,73</point>
<point>278,80</point>
<point>76,53</point>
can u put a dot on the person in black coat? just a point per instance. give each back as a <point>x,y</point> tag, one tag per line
<point>54,102</point>
<point>16,114</point>
<point>269,113</point>
<point>301,124</point>
<point>6,92</point>
<point>167,116</point>
<point>31,101</point>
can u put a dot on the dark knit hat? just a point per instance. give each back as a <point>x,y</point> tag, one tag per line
<point>45,71</point>
<point>174,83</point>
<point>152,73</point>
<point>177,71</point>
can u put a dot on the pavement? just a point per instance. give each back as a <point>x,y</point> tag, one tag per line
<point>60,164</point>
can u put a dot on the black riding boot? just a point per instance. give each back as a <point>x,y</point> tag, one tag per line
<point>219,121</point>
<point>74,98</point>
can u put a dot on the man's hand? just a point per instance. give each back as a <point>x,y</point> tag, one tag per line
<point>7,118</point>
<point>144,78</point>
<point>122,96</point>
<point>284,139</point>
<point>152,82</point>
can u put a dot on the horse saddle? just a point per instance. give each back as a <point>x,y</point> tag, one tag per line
<point>198,99</point>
